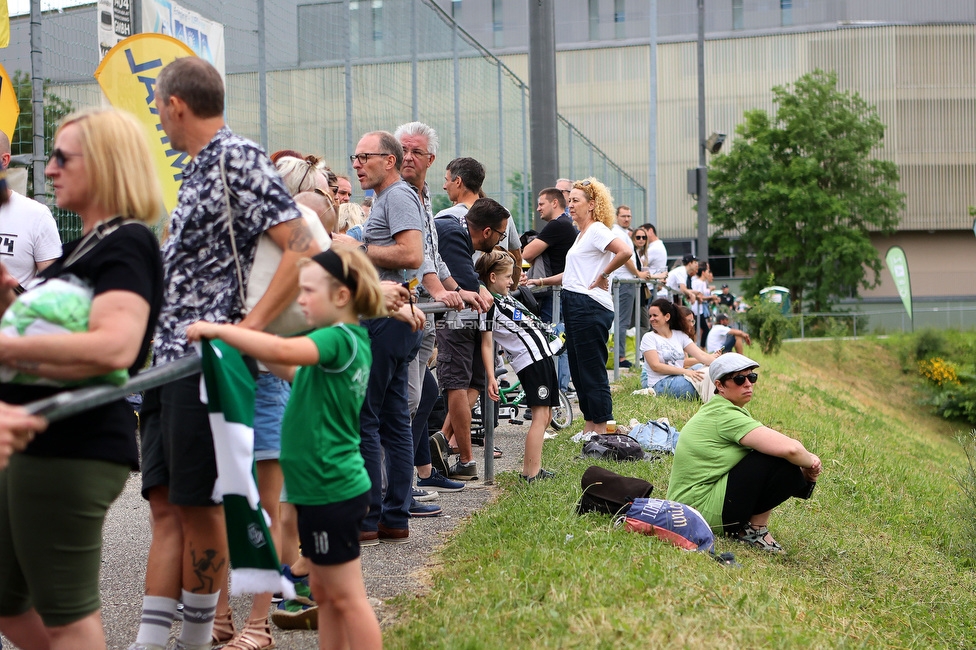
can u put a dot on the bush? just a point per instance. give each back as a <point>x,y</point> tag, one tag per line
<point>929,343</point>
<point>767,324</point>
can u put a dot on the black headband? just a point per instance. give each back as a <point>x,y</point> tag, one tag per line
<point>332,263</point>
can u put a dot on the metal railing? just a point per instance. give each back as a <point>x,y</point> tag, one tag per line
<point>884,321</point>
<point>72,402</point>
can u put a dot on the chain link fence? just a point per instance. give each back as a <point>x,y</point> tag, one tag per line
<point>315,77</point>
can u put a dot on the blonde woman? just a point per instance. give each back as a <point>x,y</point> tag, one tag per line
<point>54,495</point>
<point>587,306</point>
<point>350,216</point>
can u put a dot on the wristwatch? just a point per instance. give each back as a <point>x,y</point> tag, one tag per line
<point>605,276</point>
<point>364,248</point>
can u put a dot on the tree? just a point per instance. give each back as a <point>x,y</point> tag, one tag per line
<point>803,192</point>
<point>55,108</point>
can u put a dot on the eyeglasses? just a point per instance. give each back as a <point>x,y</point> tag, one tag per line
<point>639,237</point>
<point>60,157</point>
<point>416,153</point>
<point>501,235</point>
<point>363,158</point>
<point>741,379</point>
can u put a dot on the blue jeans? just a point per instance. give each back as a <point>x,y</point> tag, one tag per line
<point>627,296</point>
<point>675,386</point>
<point>270,400</point>
<point>587,330</point>
<point>384,421</point>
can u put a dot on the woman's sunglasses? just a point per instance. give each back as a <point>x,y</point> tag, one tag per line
<point>741,379</point>
<point>60,157</point>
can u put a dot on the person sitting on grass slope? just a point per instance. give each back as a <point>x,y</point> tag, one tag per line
<point>526,341</point>
<point>324,471</point>
<point>732,468</point>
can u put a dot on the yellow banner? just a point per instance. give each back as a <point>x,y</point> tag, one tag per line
<point>9,107</point>
<point>4,24</point>
<point>127,76</point>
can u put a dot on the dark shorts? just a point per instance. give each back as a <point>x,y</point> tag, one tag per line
<point>540,384</point>
<point>177,445</point>
<point>329,534</point>
<point>459,362</point>
<point>51,516</point>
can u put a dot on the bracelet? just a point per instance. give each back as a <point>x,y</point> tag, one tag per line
<point>458,288</point>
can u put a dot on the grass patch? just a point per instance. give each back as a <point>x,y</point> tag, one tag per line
<point>874,559</point>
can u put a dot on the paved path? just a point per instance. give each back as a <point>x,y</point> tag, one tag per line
<point>389,569</point>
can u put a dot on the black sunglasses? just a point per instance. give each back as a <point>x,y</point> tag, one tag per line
<point>741,379</point>
<point>60,157</point>
<point>639,237</point>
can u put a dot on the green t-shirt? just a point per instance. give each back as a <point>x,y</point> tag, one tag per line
<point>320,455</point>
<point>708,448</point>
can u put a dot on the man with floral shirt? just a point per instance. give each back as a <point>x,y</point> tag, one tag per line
<point>201,262</point>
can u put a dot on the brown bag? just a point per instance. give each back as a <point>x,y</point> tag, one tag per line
<point>608,492</point>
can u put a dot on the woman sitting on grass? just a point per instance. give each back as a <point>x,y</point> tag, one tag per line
<point>325,475</point>
<point>663,350</point>
<point>525,340</point>
<point>731,468</point>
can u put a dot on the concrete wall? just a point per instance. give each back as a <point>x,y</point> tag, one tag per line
<point>940,264</point>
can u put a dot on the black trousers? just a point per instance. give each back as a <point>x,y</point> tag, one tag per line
<point>759,483</point>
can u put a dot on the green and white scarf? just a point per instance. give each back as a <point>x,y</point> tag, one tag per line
<point>227,388</point>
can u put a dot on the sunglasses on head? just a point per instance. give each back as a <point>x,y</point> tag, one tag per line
<point>741,379</point>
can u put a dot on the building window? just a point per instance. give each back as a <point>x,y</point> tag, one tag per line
<point>594,20</point>
<point>377,17</point>
<point>737,20</point>
<point>497,23</point>
<point>786,10</point>
<point>619,18</point>
<point>456,9</point>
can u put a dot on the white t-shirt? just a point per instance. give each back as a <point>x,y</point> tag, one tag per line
<point>28,234</point>
<point>586,260</point>
<point>699,284</point>
<point>657,257</point>
<point>670,351</point>
<point>622,272</point>
<point>677,278</point>
<point>716,338</point>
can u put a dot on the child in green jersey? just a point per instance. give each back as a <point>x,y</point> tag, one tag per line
<point>325,475</point>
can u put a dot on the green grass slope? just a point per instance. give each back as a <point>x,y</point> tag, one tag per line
<point>873,560</point>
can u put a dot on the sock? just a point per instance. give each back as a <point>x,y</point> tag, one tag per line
<point>158,613</point>
<point>198,617</point>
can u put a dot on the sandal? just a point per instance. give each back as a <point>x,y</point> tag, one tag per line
<point>255,636</point>
<point>223,628</point>
<point>759,538</point>
<point>497,452</point>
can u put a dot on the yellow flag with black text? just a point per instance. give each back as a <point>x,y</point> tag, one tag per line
<point>127,76</point>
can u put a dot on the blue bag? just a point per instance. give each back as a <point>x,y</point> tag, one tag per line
<point>671,521</point>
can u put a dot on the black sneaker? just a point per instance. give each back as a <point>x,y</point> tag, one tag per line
<point>543,474</point>
<point>464,472</point>
<point>439,452</point>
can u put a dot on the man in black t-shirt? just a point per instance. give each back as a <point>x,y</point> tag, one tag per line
<point>726,298</point>
<point>550,249</point>
<point>552,244</point>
